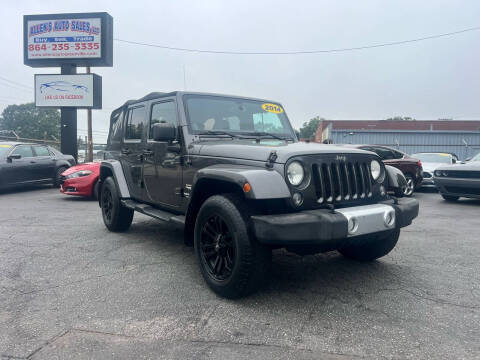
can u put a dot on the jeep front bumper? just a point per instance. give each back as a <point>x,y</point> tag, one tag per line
<point>331,228</point>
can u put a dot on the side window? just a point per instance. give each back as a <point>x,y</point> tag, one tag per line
<point>397,154</point>
<point>115,131</point>
<point>135,123</point>
<point>385,154</point>
<point>23,150</point>
<point>41,151</point>
<point>164,112</point>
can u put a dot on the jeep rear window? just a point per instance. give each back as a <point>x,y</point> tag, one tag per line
<point>234,115</point>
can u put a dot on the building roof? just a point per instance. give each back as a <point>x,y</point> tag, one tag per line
<point>429,125</point>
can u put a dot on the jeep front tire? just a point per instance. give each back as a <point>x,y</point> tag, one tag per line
<point>116,217</point>
<point>232,262</point>
<point>370,247</point>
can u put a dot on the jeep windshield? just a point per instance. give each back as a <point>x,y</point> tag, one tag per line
<point>216,115</point>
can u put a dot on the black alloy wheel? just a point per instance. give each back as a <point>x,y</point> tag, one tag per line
<point>107,204</point>
<point>58,176</point>
<point>116,217</point>
<point>217,248</point>
<point>232,262</point>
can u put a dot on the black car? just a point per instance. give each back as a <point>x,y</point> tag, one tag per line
<point>232,172</point>
<point>28,164</point>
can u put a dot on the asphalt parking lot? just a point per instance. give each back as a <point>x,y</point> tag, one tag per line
<point>70,289</point>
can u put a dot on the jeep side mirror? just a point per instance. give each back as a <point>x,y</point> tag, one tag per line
<point>164,131</point>
<point>14,157</point>
<point>454,161</point>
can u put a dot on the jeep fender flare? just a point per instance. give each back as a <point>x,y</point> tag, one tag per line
<point>264,183</point>
<point>396,180</point>
<point>114,169</point>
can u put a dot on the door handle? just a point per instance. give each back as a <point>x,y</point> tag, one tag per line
<point>148,152</point>
<point>32,162</point>
<point>126,151</point>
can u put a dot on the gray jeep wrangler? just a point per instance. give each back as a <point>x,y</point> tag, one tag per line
<point>233,173</point>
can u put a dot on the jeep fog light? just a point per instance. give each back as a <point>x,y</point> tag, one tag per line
<point>352,225</point>
<point>295,173</point>
<point>389,218</point>
<point>297,199</point>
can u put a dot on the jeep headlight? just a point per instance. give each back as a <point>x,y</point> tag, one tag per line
<point>375,169</point>
<point>295,173</point>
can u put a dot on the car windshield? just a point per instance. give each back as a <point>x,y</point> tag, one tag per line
<point>4,148</point>
<point>216,115</point>
<point>434,158</point>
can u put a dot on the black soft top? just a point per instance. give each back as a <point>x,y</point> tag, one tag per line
<point>152,95</point>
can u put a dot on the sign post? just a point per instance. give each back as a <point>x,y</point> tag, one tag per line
<point>68,41</point>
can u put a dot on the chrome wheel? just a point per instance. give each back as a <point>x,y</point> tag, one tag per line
<point>408,190</point>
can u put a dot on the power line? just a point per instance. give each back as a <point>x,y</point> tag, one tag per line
<point>16,83</point>
<point>15,87</point>
<point>300,52</point>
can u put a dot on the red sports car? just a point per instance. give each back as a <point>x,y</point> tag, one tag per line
<point>81,180</point>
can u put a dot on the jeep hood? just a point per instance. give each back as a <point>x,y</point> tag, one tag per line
<point>250,150</point>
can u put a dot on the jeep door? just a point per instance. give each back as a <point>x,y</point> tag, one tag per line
<point>131,150</point>
<point>162,170</point>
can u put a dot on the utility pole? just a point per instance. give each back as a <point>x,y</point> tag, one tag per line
<point>89,157</point>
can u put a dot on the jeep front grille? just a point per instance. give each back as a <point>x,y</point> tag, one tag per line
<point>342,181</point>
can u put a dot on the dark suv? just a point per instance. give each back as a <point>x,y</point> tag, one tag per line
<point>411,167</point>
<point>232,172</point>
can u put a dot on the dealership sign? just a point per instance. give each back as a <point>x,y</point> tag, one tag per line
<point>78,91</point>
<point>84,39</point>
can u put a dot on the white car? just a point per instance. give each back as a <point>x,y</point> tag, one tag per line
<point>431,161</point>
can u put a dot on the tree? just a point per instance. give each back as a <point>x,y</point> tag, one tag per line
<point>31,122</point>
<point>309,128</point>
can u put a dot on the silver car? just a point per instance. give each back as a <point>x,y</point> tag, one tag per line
<point>461,180</point>
<point>431,161</point>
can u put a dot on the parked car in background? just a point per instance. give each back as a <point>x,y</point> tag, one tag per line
<point>411,167</point>
<point>81,180</point>
<point>28,164</point>
<point>431,161</point>
<point>460,180</point>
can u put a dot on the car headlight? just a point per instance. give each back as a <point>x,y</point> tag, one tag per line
<point>437,173</point>
<point>295,173</point>
<point>375,169</point>
<point>80,173</point>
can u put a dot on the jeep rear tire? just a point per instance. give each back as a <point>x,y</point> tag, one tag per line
<point>371,247</point>
<point>232,262</point>
<point>116,217</point>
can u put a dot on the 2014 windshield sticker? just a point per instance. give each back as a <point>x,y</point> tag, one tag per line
<point>276,109</point>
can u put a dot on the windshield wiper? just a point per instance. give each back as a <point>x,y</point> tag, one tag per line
<point>218,132</point>
<point>264,133</point>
